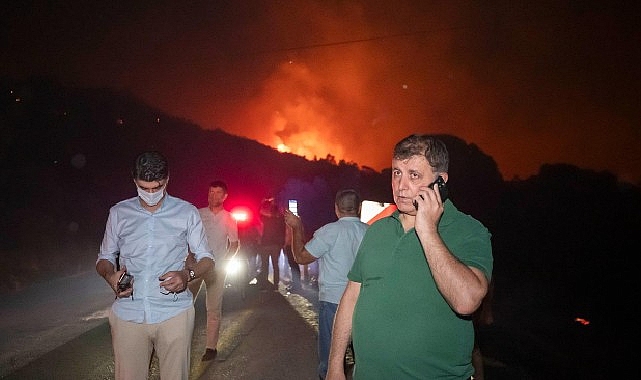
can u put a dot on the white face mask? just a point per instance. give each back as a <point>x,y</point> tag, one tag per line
<point>151,199</point>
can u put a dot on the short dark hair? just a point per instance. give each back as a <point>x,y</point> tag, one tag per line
<point>219,183</point>
<point>348,201</point>
<point>150,166</point>
<point>429,146</point>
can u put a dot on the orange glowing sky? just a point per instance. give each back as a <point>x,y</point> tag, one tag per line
<point>528,83</point>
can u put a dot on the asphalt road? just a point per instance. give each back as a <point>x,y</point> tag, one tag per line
<point>48,315</point>
<point>59,330</point>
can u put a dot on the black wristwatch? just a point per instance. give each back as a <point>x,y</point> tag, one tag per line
<point>192,275</point>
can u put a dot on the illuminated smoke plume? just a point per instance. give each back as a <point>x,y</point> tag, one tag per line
<point>528,82</point>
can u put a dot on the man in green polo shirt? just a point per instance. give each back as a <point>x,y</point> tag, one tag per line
<point>418,276</point>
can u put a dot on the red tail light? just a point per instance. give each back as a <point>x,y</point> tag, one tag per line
<point>241,214</point>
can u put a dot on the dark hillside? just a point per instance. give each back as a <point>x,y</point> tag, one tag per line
<point>66,158</point>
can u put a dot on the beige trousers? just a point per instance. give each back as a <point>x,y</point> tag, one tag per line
<point>133,344</point>
<point>214,287</point>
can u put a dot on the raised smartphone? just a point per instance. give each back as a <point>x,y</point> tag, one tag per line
<point>292,205</point>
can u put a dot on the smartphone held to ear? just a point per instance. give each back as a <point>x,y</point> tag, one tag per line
<point>442,189</point>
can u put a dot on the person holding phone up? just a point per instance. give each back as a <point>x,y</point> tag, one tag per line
<point>334,246</point>
<point>418,276</point>
<point>150,235</point>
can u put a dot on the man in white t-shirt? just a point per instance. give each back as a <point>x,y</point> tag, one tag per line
<point>222,234</point>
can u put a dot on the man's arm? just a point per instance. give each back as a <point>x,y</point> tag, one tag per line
<point>108,256</point>
<point>342,331</point>
<point>232,237</point>
<point>107,271</point>
<point>301,255</point>
<point>462,286</point>
<point>203,266</point>
<point>232,249</point>
<point>198,267</point>
<point>176,281</point>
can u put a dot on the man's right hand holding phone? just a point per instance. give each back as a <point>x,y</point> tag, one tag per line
<point>124,286</point>
<point>429,205</point>
<point>291,219</point>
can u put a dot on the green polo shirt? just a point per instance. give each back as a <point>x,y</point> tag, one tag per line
<point>402,326</point>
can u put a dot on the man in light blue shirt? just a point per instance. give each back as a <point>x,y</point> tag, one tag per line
<point>150,236</point>
<point>334,245</point>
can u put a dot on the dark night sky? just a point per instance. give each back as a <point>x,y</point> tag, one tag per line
<point>529,82</point>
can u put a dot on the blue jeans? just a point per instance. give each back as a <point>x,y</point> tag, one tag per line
<point>326,312</point>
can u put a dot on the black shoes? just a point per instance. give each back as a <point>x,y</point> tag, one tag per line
<point>209,354</point>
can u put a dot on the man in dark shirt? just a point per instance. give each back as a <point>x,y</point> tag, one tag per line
<point>271,242</point>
